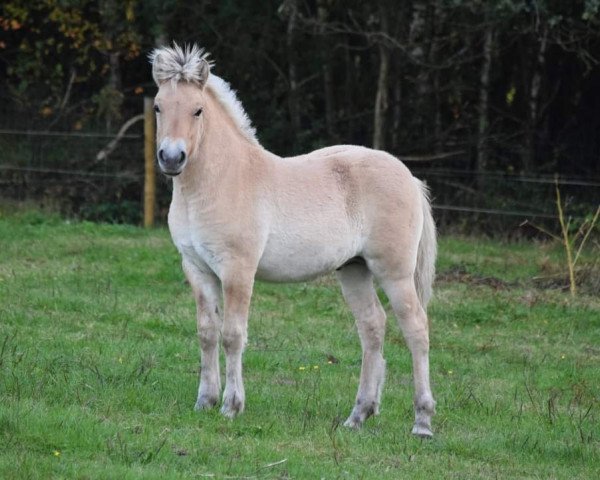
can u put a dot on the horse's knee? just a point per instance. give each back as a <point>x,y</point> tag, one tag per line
<point>234,339</point>
<point>208,337</point>
<point>209,329</point>
<point>417,340</point>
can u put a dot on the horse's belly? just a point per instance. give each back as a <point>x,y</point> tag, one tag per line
<point>300,259</point>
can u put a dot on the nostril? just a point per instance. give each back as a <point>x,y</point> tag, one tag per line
<point>171,159</point>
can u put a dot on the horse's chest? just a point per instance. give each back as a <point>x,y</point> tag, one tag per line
<point>199,255</point>
<point>195,246</point>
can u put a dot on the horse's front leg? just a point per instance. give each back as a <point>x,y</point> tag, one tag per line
<point>237,291</point>
<point>207,294</point>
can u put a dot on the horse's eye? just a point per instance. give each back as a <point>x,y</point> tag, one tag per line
<point>156,109</point>
<point>198,112</point>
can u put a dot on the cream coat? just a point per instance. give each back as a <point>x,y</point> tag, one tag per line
<point>241,213</point>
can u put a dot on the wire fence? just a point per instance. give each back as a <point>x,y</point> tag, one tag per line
<point>61,170</point>
<point>503,202</point>
<point>64,169</point>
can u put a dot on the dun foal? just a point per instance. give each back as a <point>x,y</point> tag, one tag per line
<point>241,213</point>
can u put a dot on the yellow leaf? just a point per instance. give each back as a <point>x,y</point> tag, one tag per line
<point>510,95</point>
<point>129,13</point>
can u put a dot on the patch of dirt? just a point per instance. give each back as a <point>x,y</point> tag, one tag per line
<point>587,279</point>
<point>460,274</point>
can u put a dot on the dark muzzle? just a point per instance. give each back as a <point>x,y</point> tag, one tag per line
<point>171,163</point>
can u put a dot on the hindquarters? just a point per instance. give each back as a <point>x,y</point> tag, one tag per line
<point>400,238</point>
<point>400,252</point>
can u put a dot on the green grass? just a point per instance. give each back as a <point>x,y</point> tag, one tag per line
<point>99,360</point>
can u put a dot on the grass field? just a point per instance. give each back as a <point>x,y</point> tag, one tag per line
<point>99,367</point>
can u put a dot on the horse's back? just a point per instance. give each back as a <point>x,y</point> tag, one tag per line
<point>346,161</point>
<point>370,182</point>
<point>334,204</point>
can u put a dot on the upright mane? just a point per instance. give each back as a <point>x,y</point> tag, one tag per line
<point>190,64</point>
<point>232,105</point>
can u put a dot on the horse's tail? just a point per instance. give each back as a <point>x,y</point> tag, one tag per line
<point>427,251</point>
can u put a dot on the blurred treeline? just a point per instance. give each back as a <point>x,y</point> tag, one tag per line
<point>498,87</point>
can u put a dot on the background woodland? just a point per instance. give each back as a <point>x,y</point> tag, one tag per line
<point>487,100</point>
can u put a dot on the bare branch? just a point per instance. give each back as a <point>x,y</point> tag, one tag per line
<point>432,157</point>
<point>110,146</point>
<point>587,234</point>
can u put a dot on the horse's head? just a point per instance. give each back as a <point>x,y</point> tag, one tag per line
<point>181,75</point>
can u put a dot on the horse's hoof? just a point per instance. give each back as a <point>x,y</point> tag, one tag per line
<point>205,403</point>
<point>422,431</point>
<point>230,412</point>
<point>232,406</point>
<point>353,422</point>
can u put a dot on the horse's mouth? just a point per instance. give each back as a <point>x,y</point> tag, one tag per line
<point>171,173</point>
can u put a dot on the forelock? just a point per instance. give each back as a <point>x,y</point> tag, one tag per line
<point>179,64</point>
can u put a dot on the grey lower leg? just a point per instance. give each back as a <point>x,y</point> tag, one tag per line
<point>424,404</point>
<point>234,396</point>
<point>359,293</point>
<point>207,295</point>
<point>414,325</point>
<point>210,379</point>
<point>236,302</point>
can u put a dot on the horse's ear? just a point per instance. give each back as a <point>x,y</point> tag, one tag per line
<point>159,67</point>
<point>203,71</point>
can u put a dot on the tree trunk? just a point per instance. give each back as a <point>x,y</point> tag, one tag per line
<point>534,95</point>
<point>434,54</point>
<point>292,12</point>
<point>327,73</point>
<point>115,70</point>
<point>484,93</point>
<point>381,98</point>
<point>348,107</point>
<point>396,114</point>
<point>416,41</point>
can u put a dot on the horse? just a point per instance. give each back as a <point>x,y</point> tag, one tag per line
<point>240,213</point>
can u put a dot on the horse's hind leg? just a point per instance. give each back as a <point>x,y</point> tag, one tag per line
<point>414,325</point>
<point>360,295</point>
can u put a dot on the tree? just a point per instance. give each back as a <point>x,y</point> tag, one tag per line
<point>55,47</point>
<point>381,97</point>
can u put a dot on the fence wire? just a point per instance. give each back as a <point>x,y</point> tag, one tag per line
<point>50,166</point>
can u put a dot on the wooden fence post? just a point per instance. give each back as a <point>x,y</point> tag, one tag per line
<point>149,159</point>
